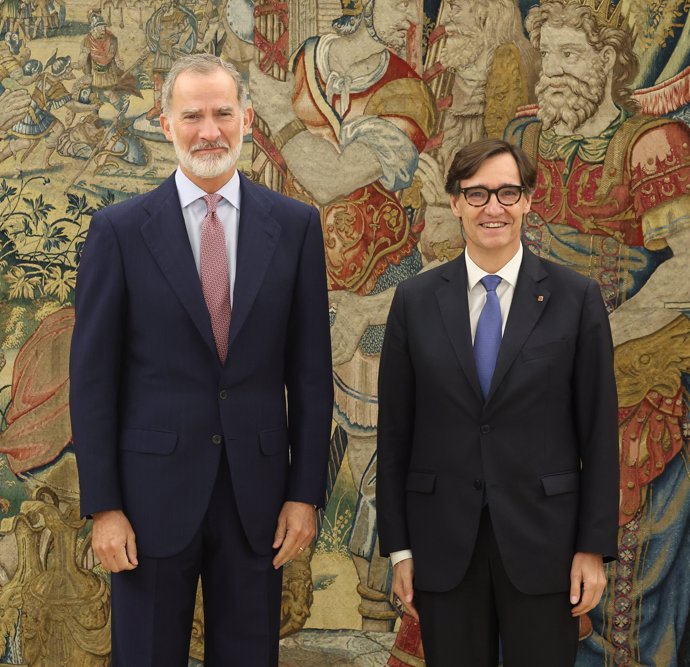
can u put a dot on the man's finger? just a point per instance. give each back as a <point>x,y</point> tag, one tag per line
<point>131,550</point>
<point>281,531</point>
<point>121,560</point>
<point>282,557</point>
<point>287,550</point>
<point>408,597</point>
<point>575,587</point>
<point>586,600</point>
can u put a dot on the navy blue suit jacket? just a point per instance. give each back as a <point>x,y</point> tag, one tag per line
<point>153,409</point>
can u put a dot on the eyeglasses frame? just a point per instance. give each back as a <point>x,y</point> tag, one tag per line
<point>491,191</point>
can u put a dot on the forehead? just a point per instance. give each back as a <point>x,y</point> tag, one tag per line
<point>193,88</point>
<point>495,171</point>
<point>560,36</point>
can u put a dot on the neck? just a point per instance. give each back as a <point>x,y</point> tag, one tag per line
<point>361,45</point>
<point>492,261</point>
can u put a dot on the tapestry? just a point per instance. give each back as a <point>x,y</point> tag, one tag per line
<point>360,106</point>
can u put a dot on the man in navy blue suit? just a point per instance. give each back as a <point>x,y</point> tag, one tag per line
<point>201,390</point>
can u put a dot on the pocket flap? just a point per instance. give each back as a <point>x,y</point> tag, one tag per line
<point>148,442</point>
<point>421,482</point>
<point>561,482</point>
<point>274,441</point>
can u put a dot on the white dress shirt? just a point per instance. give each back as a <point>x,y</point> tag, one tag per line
<point>194,212</point>
<point>476,298</point>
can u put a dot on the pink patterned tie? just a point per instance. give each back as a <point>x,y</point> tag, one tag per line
<point>215,279</point>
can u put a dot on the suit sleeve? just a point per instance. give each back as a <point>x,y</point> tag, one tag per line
<point>395,430</point>
<point>95,362</point>
<point>309,380</point>
<point>596,418</point>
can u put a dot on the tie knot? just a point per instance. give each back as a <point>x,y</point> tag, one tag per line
<point>212,202</point>
<point>490,282</point>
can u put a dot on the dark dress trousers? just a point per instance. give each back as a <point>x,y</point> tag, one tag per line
<point>165,432</point>
<point>541,450</point>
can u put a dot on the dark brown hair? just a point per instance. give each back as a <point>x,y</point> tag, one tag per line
<point>469,158</point>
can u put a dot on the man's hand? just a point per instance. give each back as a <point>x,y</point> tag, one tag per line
<point>295,530</point>
<point>403,573</point>
<point>113,541</point>
<point>587,582</point>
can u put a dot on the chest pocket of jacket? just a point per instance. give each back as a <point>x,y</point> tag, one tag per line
<point>554,348</point>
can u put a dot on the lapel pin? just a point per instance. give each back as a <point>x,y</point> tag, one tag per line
<point>540,298</point>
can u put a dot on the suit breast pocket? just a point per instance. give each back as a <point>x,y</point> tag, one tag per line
<point>550,350</point>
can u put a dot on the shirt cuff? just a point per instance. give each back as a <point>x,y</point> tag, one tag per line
<point>397,556</point>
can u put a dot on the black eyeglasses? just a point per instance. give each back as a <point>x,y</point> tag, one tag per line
<point>507,195</point>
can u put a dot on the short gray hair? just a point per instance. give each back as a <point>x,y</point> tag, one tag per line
<point>202,63</point>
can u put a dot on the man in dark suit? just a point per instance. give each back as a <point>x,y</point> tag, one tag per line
<point>497,479</point>
<point>201,390</point>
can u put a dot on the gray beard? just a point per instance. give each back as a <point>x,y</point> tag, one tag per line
<point>210,166</point>
<point>574,104</point>
<point>460,53</point>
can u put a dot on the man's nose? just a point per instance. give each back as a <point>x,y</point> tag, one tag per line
<point>551,65</point>
<point>209,130</point>
<point>493,206</point>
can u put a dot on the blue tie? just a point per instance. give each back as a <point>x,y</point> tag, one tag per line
<point>487,338</point>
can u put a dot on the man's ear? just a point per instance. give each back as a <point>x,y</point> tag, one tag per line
<point>165,126</point>
<point>248,118</point>
<point>608,58</point>
<point>455,205</point>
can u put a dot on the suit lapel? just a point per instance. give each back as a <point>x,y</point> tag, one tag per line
<point>452,301</point>
<point>529,301</point>
<point>166,236</point>
<point>258,237</point>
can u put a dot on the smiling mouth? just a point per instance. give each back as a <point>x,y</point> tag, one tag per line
<point>493,225</point>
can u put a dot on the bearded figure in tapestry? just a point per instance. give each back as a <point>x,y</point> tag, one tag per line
<point>612,202</point>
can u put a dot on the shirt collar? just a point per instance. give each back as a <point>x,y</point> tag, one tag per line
<point>189,192</point>
<point>508,272</point>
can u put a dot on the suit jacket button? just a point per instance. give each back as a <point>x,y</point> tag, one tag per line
<point>484,429</point>
<point>217,439</point>
<point>477,484</point>
<point>223,394</point>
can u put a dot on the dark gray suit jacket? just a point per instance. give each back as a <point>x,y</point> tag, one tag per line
<point>542,448</point>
